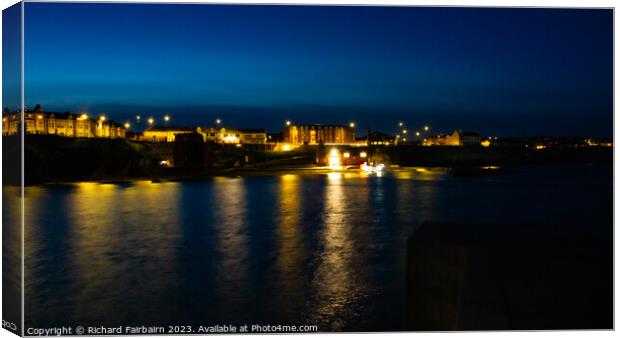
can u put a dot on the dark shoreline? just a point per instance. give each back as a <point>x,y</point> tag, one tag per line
<point>59,160</point>
<point>462,171</point>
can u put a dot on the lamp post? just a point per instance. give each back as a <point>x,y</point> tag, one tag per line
<point>166,119</point>
<point>100,129</point>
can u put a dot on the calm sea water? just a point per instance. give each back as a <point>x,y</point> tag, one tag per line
<point>291,249</point>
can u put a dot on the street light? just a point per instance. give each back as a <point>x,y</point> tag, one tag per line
<point>218,121</point>
<point>102,117</point>
<point>166,119</point>
<point>426,128</point>
<point>288,123</point>
<point>400,124</point>
<point>352,124</point>
<point>127,125</point>
<point>417,133</point>
<point>405,131</point>
<point>151,121</point>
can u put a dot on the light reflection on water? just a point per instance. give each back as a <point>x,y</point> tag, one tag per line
<point>290,249</point>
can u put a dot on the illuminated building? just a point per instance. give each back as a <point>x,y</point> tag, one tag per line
<point>164,134</point>
<point>216,135</point>
<point>61,124</point>
<point>317,134</point>
<point>234,136</point>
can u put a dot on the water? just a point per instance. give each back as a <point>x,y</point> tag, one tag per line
<point>327,250</point>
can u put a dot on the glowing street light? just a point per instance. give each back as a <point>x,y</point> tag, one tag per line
<point>288,123</point>
<point>352,124</point>
<point>400,124</point>
<point>102,117</point>
<point>166,119</point>
<point>405,131</point>
<point>426,128</point>
<point>218,121</point>
<point>417,133</point>
<point>151,120</point>
<point>138,118</point>
<point>127,125</point>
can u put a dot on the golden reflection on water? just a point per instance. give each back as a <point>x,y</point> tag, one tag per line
<point>289,260</point>
<point>126,234</point>
<point>420,173</point>
<point>336,279</point>
<point>230,217</point>
<point>289,225</point>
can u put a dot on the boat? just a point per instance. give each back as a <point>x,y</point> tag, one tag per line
<point>372,168</point>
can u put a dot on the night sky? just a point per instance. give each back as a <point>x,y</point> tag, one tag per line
<point>503,72</point>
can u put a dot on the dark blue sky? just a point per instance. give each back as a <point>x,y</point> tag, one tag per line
<point>498,71</point>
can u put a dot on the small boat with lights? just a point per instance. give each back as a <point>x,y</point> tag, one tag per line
<point>372,168</point>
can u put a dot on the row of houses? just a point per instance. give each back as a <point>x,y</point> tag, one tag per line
<point>80,125</point>
<point>209,134</point>
<point>61,124</point>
